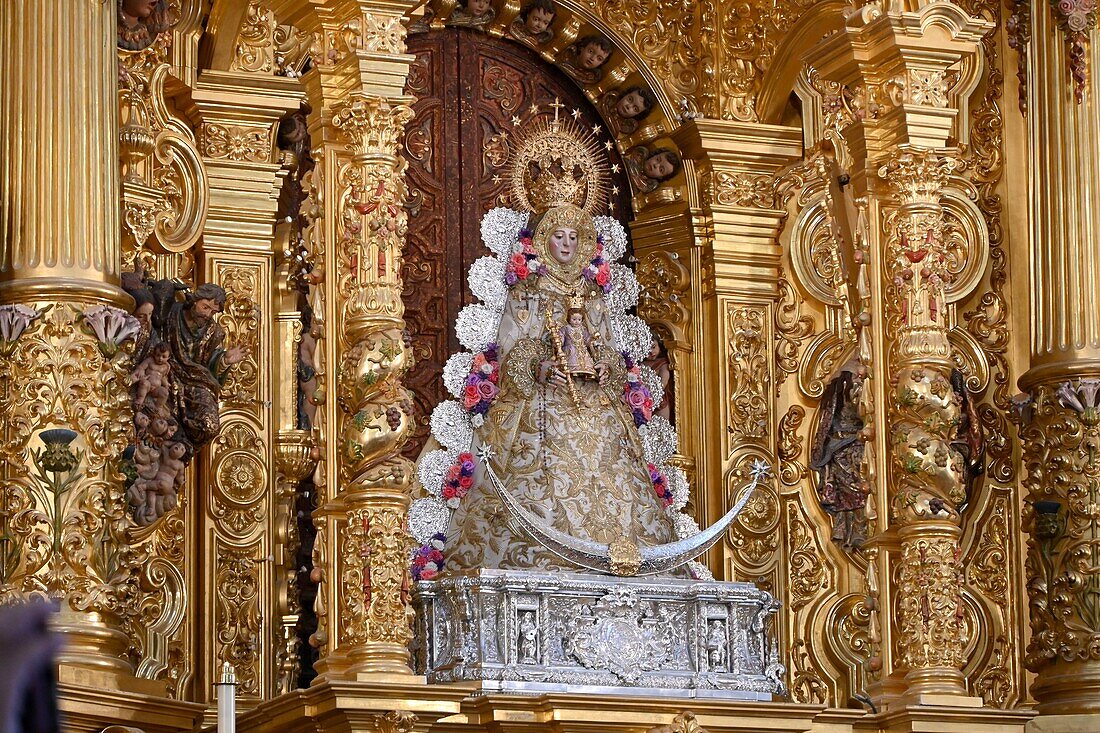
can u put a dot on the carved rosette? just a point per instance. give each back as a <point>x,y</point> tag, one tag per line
<point>1061,439</point>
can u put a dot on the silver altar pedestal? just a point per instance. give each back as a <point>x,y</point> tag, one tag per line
<point>570,632</point>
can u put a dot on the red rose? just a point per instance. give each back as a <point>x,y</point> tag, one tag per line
<point>470,397</point>
<point>428,574</point>
<point>518,261</point>
<point>466,482</point>
<point>465,456</point>
<point>449,492</point>
<point>602,278</point>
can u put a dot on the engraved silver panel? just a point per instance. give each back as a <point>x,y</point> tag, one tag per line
<point>546,631</point>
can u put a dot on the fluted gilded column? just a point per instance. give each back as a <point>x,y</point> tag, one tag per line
<point>895,68</point>
<point>1060,429</point>
<point>64,412</point>
<point>357,192</point>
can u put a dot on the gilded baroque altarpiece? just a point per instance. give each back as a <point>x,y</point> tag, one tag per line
<point>837,268</point>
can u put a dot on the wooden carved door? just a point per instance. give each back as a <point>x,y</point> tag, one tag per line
<point>471,89</point>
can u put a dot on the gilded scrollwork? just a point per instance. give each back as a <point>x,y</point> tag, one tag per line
<point>749,378</point>
<point>237,621</point>
<point>241,318</point>
<point>1061,442</point>
<point>809,574</point>
<point>255,48</point>
<point>665,283</point>
<point>164,179</point>
<point>789,447</point>
<point>64,399</point>
<point>792,328</point>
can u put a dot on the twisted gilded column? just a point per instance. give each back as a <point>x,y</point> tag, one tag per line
<point>894,67</point>
<point>64,410</point>
<point>1059,428</point>
<point>357,194</point>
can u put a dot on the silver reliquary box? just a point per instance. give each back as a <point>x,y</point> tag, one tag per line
<point>550,631</point>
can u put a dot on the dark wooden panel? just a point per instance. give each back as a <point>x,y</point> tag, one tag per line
<point>469,86</point>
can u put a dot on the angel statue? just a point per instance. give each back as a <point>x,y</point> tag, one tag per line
<point>551,456</point>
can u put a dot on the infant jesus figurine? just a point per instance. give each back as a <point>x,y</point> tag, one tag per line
<point>580,348</point>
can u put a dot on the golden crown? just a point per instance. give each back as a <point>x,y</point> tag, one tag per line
<point>557,162</point>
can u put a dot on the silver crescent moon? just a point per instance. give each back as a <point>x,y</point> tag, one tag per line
<point>596,556</point>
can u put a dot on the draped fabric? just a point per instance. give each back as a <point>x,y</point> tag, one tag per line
<point>572,458</point>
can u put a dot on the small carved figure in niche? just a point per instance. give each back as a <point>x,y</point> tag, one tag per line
<point>528,639</point>
<point>837,456</point>
<point>579,346</point>
<point>650,168</point>
<point>307,375</point>
<point>533,24</point>
<point>658,362</point>
<point>626,109</point>
<point>717,644</point>
<point>473,14</point>
<point>583,60</point>
<point>969,439</point>
<point>141,21</point>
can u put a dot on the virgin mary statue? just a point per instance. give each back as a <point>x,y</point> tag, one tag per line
<point>550,451</point>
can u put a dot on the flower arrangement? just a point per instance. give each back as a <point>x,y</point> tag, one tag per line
<point>525,263</point>
<point>458,480</point>
<point>481,384</point>
<point>636,395</point>
<point>598,271</point>
<point>660,485</point>
<point>428,560</point>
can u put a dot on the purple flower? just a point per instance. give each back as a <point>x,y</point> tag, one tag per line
<point>542,270</point>
<point>639,418</point>
<point>490,352</point>
<point>526,233</point>
<point>468,468</point>
<point>511,278</point>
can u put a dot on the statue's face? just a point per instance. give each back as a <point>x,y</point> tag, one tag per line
<point>144,315</point>
<point>477,7</point>
<point>575,319</point>
<point>631,105</point>
<point>592,55</point>
<point>538,20</point>
<point>139,8</point>
<point>204,309</point>
<point>563,244</point>
<point>659,166</point>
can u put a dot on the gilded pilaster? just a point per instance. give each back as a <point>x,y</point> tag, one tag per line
<point>64,389</point>
<point>1059,414</point>
<point>893,70</point>
<point>359,223</point>
<point>242,510</point>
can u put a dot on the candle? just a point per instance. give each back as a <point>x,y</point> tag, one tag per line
<point>226,689</point>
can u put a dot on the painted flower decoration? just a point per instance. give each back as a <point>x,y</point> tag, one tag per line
<point>598,271</point>
<point>525,263</point>
<point>458,480</point>
<point>428,560</point>
<point>111,326</point>
<point>14,320</point>
<point>481,384</point>
<point>636,395</point>
<point>660,485</point>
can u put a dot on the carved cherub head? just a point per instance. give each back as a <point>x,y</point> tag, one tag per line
<point>635,103</point>
<point>593,52</point>
<point>661,164</point>
<point>537,16</point>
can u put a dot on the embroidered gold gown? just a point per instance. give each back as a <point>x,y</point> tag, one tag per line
<point>573,458</point>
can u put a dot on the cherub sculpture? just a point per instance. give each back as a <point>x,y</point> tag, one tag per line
<point>534,22</point>
<point>473,14</point>
<point>584,59</point>
<point>650,168</point>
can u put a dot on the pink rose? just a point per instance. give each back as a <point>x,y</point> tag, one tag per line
<point>470,397</point>
<point>479,361</point>
<point>486,390</point>
<point>518,261</point>
<point>428,574</point>
<point>636,399</point>
<point>602,278</point>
